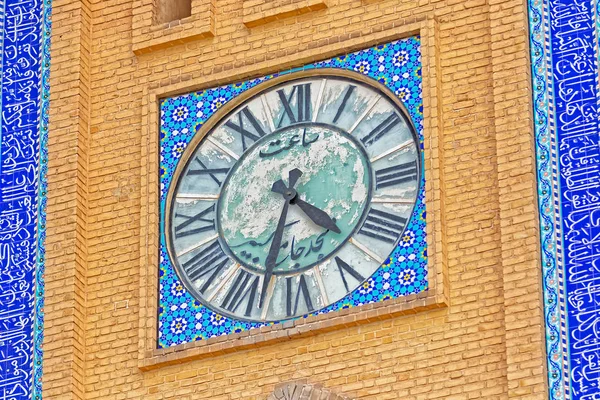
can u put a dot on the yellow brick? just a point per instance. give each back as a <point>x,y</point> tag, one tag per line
<point>488,343</point>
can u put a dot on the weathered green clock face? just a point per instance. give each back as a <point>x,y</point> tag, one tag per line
<point>335,178</point>
<point>294,198</point>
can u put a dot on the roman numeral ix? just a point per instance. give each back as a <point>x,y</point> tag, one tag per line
<point>211,260</point>
<point>396,175</point>
<point>257,130</point>
<point>208,223</point>
<point>383,226</point>
<point>303,100</point>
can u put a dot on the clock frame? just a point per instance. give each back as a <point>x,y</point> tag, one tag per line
<point>160,344</point>
<point>223,114</point>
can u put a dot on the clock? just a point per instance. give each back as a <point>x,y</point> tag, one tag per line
<point>290,197</point>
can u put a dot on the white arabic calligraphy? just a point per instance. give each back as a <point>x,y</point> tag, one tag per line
<point>576,80</point>
<point>21,55</point>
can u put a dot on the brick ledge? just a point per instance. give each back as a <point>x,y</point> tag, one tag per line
<point>255,15</point>
<point>148,37</point>
<point>302,327</point>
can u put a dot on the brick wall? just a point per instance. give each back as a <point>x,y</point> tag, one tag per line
<point>66,255</point>
<point>486,344</point>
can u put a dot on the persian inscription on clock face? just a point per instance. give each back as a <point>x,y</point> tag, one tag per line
<point>248,210</point>
<point>294,198</point>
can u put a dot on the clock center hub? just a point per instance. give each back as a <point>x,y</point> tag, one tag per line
<point>290,195</point>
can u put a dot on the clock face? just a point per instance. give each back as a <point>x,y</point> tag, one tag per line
<point>294,198</point>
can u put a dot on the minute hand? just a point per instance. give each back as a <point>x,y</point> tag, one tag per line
<point>317,215</point>
<point>271,261</point>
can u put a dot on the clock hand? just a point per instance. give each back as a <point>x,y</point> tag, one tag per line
<point>288,195</point>
<point>317,215</point>
<point>281,188</point>
<point>293,177</point>
<point>274,252</point>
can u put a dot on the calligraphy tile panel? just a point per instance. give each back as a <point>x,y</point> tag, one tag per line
<point>564,54</point>
<point>24,55</point>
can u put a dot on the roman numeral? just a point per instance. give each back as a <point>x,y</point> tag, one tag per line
<point>343,266</point>
<point>212,172</point>
<point>240,290</point>
<point>383,226</point>
<point>301,289</point>
<point>257,133</point>
<point>395,175</point>
<point>344,101</point>
<point>303,100</point>
<point>381,129</point>
<point>210,260</point>
<point>209,223</point>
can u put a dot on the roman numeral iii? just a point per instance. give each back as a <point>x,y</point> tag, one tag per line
<point>396,175</point>
<point>302,111</point>
<point>383,226</point>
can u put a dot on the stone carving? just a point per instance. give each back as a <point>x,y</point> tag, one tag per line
<point>300,390</point>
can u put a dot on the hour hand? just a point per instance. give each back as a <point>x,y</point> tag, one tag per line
<point>317,215</point>
<point>281,188</point>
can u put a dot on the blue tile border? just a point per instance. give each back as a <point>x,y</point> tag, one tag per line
<point>25,55</point>
<point>571,305</point>
<point>566,95</point>
<point>181,318</point>
<point>2,15</point>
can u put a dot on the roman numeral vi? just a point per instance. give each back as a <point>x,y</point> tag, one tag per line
<point>301,289</point>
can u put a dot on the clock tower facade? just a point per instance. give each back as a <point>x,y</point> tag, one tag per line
<point>253,199</point>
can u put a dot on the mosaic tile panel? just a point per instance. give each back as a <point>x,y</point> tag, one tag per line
<point>183,319</point>
<point>564,54</point>
<point>25,43</point>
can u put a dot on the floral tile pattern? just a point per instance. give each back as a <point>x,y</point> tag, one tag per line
<point>183,319</point>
